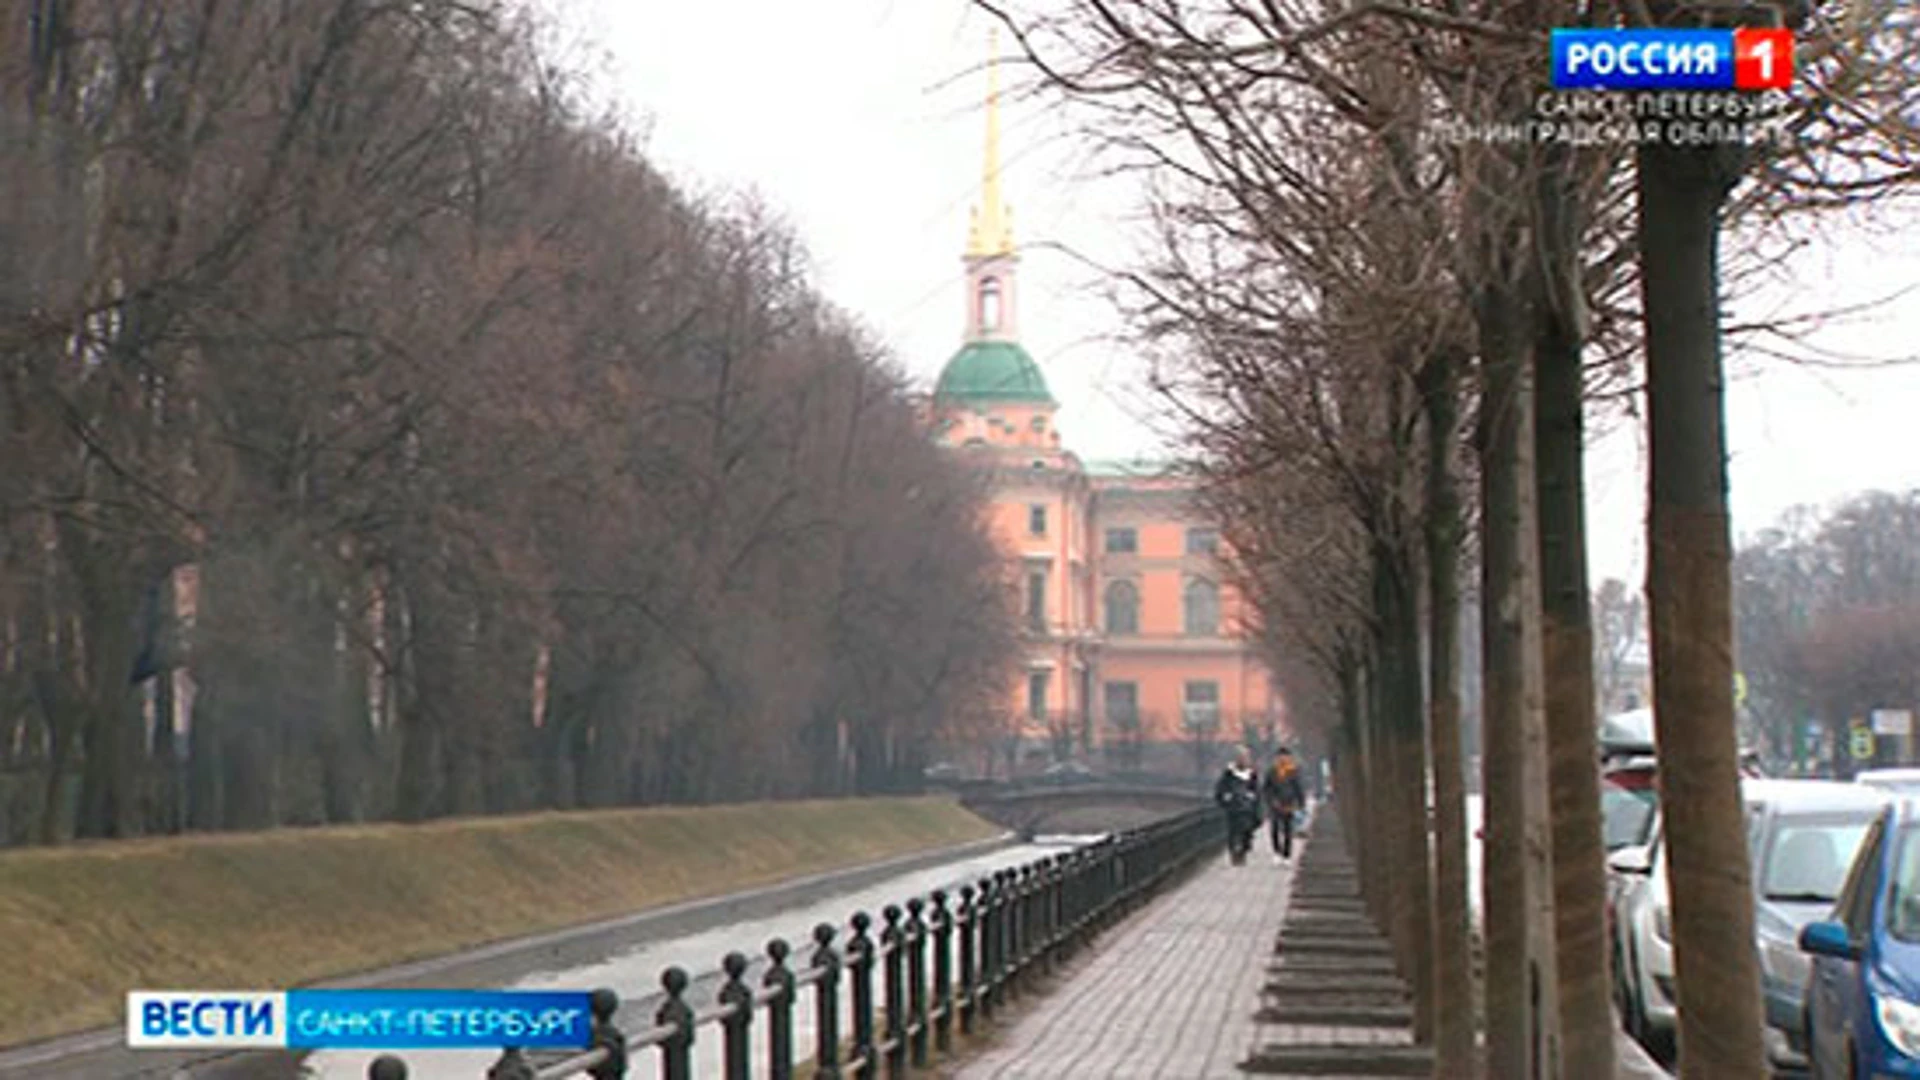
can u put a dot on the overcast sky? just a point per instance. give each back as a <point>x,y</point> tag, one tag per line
<point>860,121</point>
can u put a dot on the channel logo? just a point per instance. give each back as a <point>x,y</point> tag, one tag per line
<point>1750,59</point>
<point>358,1019</point>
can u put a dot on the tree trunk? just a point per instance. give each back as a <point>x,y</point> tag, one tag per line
<point>1689,590</point>
<point>1402,793</point>
<point>1350,782</point>
<point>1518,946</point>
<point>1453,983</point>
<point>1579,853</point>
<point>52,696</point>
<point>206,755</point>
<point>1377,873</point>
<point>109,804</point>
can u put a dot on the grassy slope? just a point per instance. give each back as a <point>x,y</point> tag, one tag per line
<point>82,925</point>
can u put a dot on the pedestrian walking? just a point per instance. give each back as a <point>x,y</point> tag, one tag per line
<point>1238,794</point>
<point>1285,797</point>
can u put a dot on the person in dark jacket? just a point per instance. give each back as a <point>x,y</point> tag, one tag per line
<point>1285,796</point>
<point>1238,793</point>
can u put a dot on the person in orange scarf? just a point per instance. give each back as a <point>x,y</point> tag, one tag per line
<point>1285,797</point>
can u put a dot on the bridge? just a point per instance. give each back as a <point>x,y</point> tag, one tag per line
<point>1080,808</point>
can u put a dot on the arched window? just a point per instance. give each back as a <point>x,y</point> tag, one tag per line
<point>1123,608</point>
<point>1202,607</point>
<point>989,304</point>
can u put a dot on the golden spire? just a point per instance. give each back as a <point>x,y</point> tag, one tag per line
<point>992,231</point>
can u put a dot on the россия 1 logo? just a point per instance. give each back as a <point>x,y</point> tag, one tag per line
<point>1749,59</point>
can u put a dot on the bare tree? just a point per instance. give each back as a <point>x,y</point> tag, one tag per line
<point>502,473</point>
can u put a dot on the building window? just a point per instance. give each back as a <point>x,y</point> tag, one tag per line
<point>1122,541</point>
<point>1037,600</point>
<point>1123,608</point>
<point>1039,425</point>
<point>990,304</point>
<point>1203,541</point>
<point>1037,520</point>
<point>1202,608</point>
<point>1201,704</point>
<point>1123,705</point>
<point>1037,694</point>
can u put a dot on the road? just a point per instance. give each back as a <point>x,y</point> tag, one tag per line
<point>635,973</point>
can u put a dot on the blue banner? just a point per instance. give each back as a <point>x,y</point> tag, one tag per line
<point>437,1019</point>
<point>1643,59</point>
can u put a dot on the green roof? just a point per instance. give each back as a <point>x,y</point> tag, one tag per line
<point>993,371</point>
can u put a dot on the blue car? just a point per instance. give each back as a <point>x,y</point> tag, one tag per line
<point>1863,1001</point>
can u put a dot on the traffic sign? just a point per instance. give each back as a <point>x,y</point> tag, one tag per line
<point>1860,743</point>
<point>1892,722</point>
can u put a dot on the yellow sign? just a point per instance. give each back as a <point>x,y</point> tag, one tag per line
<point>1860,743</point>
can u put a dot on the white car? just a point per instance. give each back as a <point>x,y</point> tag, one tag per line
<point>1897,781</point>
<point>1802,836</point>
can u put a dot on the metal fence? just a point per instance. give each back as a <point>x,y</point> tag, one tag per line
<point>935,967</point>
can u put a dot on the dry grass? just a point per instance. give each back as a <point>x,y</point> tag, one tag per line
<point>82,925</point>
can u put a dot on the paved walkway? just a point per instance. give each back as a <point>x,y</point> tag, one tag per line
<point>1189,987</point>
<point>1168,993</point>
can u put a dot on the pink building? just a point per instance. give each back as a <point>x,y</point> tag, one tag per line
<point>1134,649</point>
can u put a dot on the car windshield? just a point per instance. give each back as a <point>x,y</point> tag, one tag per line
<point>1626,817</point>
<point>1903,900</point>
<point>1810,855</point>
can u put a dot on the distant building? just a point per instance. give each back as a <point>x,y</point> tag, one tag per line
<point>1134,644</point>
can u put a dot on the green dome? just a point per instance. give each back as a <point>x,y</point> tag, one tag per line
<point>993,371</point>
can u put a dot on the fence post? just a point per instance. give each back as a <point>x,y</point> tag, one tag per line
<point>607,1036</point>
<point>1054,875</point>
<point>511,1065</point>
<point>1006,977</point>
<point>1037,918</point>
<point>986,918</point>
<point>736,1032</point>
<point>917,982</point>
<point>893,956</point>
<point>1000,923</point>
<point>676,1050</point>
<point>779,979</point>
<point>1019,894</point>
<point>967,941</point>
<point>860,964</point>
<point>1071,897</point>
<point>826,1004</point>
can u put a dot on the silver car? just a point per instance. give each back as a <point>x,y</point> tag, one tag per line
<point>1896,781</point>
<point>1802,837</point>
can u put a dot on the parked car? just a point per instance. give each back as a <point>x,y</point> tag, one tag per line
<point>1802,837</point>
<point>1066,772</point>
<point>1629,799</point>
<point>1897,781</point>
<point>1629,805</point>
<point>1627,733</point>
<point>1863,1004</point>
